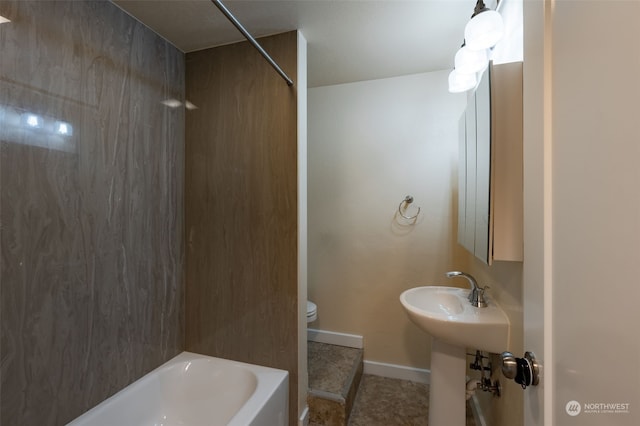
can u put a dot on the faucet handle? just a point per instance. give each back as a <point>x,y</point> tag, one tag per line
<point>477,297</point>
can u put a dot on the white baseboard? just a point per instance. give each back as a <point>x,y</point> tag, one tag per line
<point>304,417</point>
<point>370,367</point>
<point>335,338</point>
<point>419,375</point>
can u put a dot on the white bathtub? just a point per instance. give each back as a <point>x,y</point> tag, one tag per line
<point>197,390</point>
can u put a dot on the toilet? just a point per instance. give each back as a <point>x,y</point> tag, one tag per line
<point>312,312</point>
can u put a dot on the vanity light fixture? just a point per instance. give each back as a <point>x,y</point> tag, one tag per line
<point>484,29</point>
<point>4,20</point>
<point>481,34</point>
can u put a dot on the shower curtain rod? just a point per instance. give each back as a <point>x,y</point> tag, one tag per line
<point>251,40</point>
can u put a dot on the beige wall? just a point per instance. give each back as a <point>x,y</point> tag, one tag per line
<point>371,144</point>
<point>505,280</point>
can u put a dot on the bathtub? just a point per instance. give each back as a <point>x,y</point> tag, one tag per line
<point>197,390</point>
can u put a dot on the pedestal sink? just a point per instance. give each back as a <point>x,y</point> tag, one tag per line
<point>454,324</point>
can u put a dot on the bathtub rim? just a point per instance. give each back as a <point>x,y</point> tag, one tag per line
<point>269,382</point>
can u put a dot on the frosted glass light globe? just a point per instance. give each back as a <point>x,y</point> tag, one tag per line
<point>459,82</point>
<point>484,30</point>
<point>469,61</point>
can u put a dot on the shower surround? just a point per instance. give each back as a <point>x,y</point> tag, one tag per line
<point>91,186</point>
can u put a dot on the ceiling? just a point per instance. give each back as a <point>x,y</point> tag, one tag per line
<point>348,40</point>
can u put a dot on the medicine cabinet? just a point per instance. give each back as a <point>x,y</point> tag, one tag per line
<point>490,222</point>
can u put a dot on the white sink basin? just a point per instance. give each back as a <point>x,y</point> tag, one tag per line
<point>446,314</point>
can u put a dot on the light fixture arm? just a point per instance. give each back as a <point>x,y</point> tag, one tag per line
<point>480,7</point>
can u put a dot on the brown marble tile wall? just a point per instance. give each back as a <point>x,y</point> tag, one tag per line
<point>241,207</point>
<point>90,209</point>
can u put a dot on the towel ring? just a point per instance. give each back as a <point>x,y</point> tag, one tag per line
<point>407,200</point>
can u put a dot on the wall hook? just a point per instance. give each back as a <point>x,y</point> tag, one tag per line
<point>407,200</point>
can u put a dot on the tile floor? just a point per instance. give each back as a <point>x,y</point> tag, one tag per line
<point>379,401</point>
<point>382,401</point>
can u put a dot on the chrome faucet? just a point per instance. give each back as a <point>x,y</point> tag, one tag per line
<point>476,295</point>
